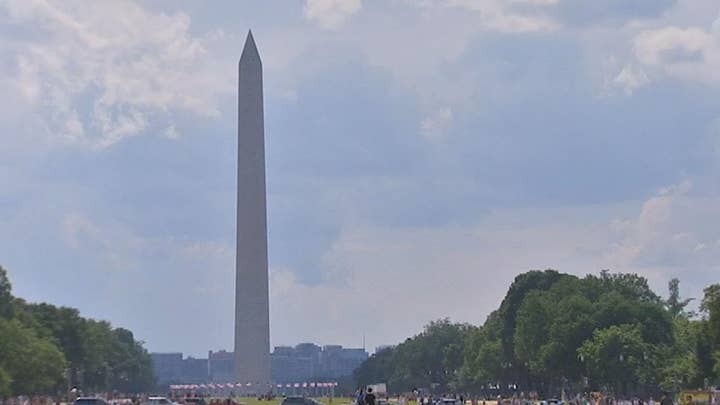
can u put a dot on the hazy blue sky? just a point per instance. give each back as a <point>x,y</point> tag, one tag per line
<point>420,154</point>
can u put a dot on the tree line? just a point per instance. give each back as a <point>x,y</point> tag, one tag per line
<point>45,349</point>
<point>555,332</point>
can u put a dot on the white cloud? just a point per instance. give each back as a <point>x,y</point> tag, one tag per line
<point>437,124</point>
<point>691,53</point>
<point>396,279</point>
<point>101,72</point>
<point>630,79</point>
<point>507,15</point>
<point>171,132</point>
<point>330,14</point>
<point>121,248</point>
<point>671,235</point>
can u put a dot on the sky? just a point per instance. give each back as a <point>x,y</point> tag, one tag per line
<point>420,155</point>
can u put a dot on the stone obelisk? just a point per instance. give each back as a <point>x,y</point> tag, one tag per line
<point>252,317</point>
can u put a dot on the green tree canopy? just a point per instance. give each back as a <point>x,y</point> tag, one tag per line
<point>710,307</point>
<point>616,355</point>
<point>553,330</point>
<point>676,305</point>
<point>6,298</point>
<point>434,356</point>
<point>33,365</point>
<point>39,341</point>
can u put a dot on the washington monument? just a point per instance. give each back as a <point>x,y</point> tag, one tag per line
<point>252,318</point>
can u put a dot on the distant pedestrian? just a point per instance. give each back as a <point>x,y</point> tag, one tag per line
<point>369,397</point>
<point>666,400</point>
<point>360,397</point>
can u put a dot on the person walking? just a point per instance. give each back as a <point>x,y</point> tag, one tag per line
<point>360,397</point>
<point>666,400</point>
<point>369,397</point>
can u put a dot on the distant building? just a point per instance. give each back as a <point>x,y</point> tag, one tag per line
<point>308,361</point>
<point>303,363</point>
<point>221,366</point>
<point>287,369</point>
<point>167,367</point>
<point>195,371</point>
<point>171,368</point>
<point>336,361</point>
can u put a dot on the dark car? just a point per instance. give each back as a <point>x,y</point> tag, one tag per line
<point>193,401</point>
<point>299,401</point>
<point>90,401</point>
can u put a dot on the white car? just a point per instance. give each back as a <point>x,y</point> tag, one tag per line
<point>158,401</point>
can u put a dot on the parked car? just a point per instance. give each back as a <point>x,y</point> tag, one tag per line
<point>90,401</point>
<point>297,400</point>
<point>158,401</point>
<point>193,401</point>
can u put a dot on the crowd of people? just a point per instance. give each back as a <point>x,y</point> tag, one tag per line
<point>367,397</point>
<point>27,400</point>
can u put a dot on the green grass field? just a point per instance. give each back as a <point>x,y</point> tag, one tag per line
<point>277,401</point>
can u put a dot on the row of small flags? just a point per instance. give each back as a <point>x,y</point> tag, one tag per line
<point>308,385</point>
<point>241,385</point>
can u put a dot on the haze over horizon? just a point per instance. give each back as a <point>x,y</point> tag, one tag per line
<point>420,154</point>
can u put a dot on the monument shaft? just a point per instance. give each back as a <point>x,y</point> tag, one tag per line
<point>252,318</point>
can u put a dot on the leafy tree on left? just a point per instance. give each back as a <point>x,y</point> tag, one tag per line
<point>45,339</point>
<point>31,364</point>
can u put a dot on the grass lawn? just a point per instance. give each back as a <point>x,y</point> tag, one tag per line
<point>278,400</point>
<point>335,401</point>
<point>255,401</point>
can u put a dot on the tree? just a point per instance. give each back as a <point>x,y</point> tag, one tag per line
<point>38,341</point>
<point>6,298</point>
<point>520,287</point>
<point>376,368</point>
<point>680,365</point>
<point>560,328</point>
<point>34,365</point>
<point>710,308</point>
<point>63,325</point>
<point>616,356</point>
<point>434,356</point>
<point>676,305</point>
<point>532,325</point>
<point>4,384</point>
<point>483,355</point>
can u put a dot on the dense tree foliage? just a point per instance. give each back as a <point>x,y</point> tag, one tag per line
<point>676,305</point>
<point>6,298</point>
<point>711,312</point>
<point>43,348</point>
<point>434,357</point>
<point>555,331</point>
